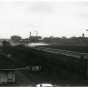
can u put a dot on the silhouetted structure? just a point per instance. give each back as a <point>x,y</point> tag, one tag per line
<point>7,69</point>
<point>6,44</point>
<point>15,37</point>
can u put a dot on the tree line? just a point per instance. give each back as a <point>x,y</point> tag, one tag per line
<point>67,41</point>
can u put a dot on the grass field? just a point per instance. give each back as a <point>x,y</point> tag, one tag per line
<point>82,49</point>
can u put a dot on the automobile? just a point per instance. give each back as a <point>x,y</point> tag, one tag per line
<point>44,85</point>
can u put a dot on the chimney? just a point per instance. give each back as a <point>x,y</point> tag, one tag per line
<point>37,33</point>
<point>30,34</point>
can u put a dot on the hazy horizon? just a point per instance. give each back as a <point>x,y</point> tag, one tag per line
<point>54,18</point>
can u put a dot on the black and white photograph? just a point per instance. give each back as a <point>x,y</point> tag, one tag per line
<point>43,43</point>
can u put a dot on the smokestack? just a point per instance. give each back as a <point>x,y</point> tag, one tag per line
<point>30,34</point>
<point>37,34</point>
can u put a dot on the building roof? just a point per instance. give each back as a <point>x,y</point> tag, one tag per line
<point>8,63</point>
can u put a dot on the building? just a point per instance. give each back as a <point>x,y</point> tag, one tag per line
<point>34,68</point>
<point>8,68</point>
<point>34,65</point>
<point>35,38</point>
<point>15,37</point>
<point>24,40</point>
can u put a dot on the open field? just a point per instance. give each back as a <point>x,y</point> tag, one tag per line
<point>82,49</point>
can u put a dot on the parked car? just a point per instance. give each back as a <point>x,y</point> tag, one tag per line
<point>44,85</point>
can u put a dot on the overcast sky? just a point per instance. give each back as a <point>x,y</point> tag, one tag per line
<point>48,18</point>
